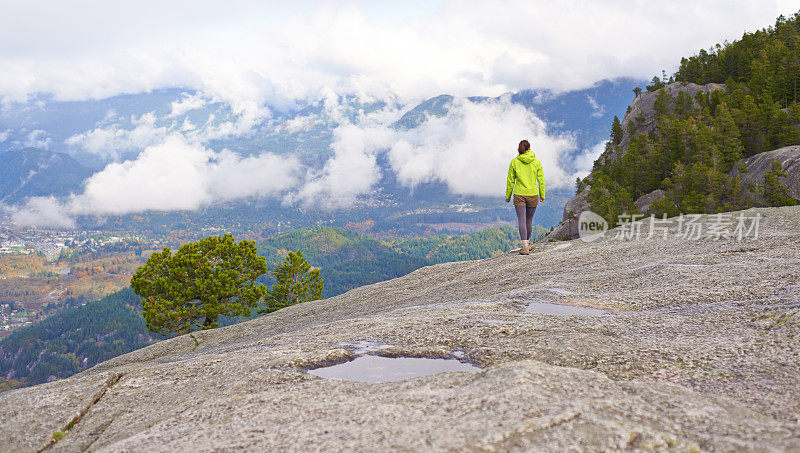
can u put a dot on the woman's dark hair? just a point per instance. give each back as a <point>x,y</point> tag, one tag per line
<point>523,146</point>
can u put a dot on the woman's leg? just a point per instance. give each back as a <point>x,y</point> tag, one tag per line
<point>529,210</point>
<point>522,219</point>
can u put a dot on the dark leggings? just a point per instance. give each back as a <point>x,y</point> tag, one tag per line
<point>525,218</point>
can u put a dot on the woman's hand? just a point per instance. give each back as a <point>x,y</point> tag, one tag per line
<point>508,199</point>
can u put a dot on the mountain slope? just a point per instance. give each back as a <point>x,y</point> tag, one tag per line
<point>75,339</point>
<point>694,355</point>
<point>349,259</point>
<point>33,172</point>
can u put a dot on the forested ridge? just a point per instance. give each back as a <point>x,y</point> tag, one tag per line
<point>74,340</point>
<point>698,140</point>
<point>349,259</point>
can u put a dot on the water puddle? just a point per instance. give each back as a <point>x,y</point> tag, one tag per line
<point>370,368</point>
<point>545,308</point>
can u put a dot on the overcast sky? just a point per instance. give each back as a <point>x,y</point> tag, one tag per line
<point>273,52</point>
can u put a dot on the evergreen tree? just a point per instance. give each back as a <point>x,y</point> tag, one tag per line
<point>296,282</point>
<point>775,193</point>
<point>189,290</point>
<point>616,131</point>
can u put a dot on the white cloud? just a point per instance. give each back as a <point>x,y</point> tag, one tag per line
<point>279,52</point>
<point>37,139</point>
<point>40,212</point>
<point>471,147</point>
<point>352,171</point>
<point>110,140</point>
<point>4,135</point>
<point>175,174</point>
<point>186,103</point>
<point>167,176</point>
<point>232,177</point>
<point>597,109</point>
<point>584,162</point>
<point>469,150</point>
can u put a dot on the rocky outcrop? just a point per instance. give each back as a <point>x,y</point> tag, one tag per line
<point>700,352</point>
<point>643,203</point>
<point>568,227</point>
<point>641,117</point>
<point>756,166</point>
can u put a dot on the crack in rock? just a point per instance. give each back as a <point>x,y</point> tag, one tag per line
<point>113,379</point>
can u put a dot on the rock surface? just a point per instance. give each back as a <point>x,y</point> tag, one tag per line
<point>702,352</point>
<point>643,203</point>
<point>758,165</point>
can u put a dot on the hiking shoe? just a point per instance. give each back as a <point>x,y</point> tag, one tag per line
<point>524,251</point>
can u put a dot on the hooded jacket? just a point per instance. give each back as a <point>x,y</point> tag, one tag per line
<point>525,176</point>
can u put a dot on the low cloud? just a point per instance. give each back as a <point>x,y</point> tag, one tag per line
<point>112,139</point>
<point>584,161</point>
<point>40,212</point>
<point>37,139</point>
<point>468,149</point>
<point>186,103</point>
<point>173,175</point>
<point>352,171</point>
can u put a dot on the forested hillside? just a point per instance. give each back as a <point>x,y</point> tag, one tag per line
<point>32,172</point>
<point>698,140</point>
<point>74,340</point>
<point>478,245</point>
<point>349,259</point>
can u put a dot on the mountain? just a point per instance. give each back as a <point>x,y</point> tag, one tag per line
<point>583,113</point>
<point>691,351</point>
<point>31,172</point>
<point>686,145</point>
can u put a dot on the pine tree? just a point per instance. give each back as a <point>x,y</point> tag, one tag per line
<point>189,290</point>
<point>775,193</point>
<point>297,282</point>
<point>616,131</point>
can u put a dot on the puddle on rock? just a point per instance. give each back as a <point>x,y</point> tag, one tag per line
<point>545,308</point>
<point>371,368</point>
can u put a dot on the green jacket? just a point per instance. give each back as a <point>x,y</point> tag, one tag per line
<point>526,171</point>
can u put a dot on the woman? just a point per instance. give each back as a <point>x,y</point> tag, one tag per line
<point>526,180</point>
